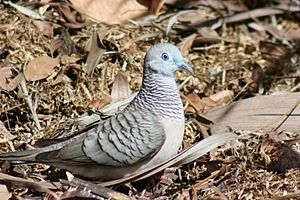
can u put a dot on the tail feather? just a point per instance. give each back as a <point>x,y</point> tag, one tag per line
<point>24,156</point>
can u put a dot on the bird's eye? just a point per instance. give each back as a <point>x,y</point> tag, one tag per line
<point>164,56</point>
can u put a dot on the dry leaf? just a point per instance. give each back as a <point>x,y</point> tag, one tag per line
<point>273,51</point>
<point>206,34</point>
<point>66,60</point>
<point>111,12</point>
<point>156,6</point>
<point>55,45</point>
<point>258,113</point>
<point>193,18</point>
<point>5,135</point>
<point>66,11</point>
<point>45,27</point>
<point>100,103</point>
<point>200,104</point>
<point>5,73</point>
<point>222,97</point>
<point>96,51</point>
<point>4,194</point>
<point>40,68</point>
<point>120,88</point>
<point>186,45</point>
<point>12,84</point>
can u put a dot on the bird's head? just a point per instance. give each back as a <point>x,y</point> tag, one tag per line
<point>165,59</point>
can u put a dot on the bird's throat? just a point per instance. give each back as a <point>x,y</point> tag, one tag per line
<point>160,95</point>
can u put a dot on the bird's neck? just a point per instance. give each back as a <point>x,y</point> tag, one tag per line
<point>159,94</point>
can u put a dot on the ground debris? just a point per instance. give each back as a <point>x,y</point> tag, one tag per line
<point>256,56</point>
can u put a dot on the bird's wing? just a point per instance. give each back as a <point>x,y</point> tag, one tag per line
<point>124,139</point>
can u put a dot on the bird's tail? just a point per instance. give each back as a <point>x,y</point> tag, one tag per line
<point>20,157</point>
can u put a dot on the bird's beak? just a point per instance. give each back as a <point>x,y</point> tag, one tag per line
<point>184,66</point>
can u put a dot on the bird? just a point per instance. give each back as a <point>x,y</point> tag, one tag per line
<point>148,131</point>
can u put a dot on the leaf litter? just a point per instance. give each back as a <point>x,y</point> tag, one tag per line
<point>232,61</point>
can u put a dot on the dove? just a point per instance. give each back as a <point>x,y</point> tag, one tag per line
<point>148,131</point>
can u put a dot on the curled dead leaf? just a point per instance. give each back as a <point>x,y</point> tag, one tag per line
<point>11,84</point>
<point>96,50</point>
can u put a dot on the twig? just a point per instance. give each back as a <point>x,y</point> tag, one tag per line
<point>295,195</point>
<point>38,186</point>
<point>96,189</point>
<point>86,91</point>
<point>30,105</point>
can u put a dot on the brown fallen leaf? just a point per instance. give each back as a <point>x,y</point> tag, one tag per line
<point>5,135</point>
<point>7,84</point>
<point>272,51</point>
<point>66,11</point>
<point>206,34</point>
<point>199,105</point>
<point>261,12</point>
<point>45,27</point>
<point>100,103</point>
<point>40,68</point>
<point>111,12</point>
<point>5,73</point>
<point>186,45</point>
<point>120,88</point>
<point>193,18</point>
<point>156,6</point>
<point>67,60</point>
<point>265,113</point>
<point>96,50</point>
<point>222,97</point>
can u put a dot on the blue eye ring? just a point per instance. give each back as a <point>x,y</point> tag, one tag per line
<point>165,56</point>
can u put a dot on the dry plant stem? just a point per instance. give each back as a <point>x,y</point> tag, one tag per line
<point>38,186</point>
<point>103,74</point>
<point>242,90</point>
<point>286,115</point>
<point>97,189</point>
<point>218,191</point>
<point>30,105</point>
<point>295,88</point>
<point>86,91</point>
<point>185,82</point>
<point>295,195</point>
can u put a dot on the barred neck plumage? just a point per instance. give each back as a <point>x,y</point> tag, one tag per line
<point>159,94</point>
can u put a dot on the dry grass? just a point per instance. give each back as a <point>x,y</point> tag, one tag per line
<point>241,173</point>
